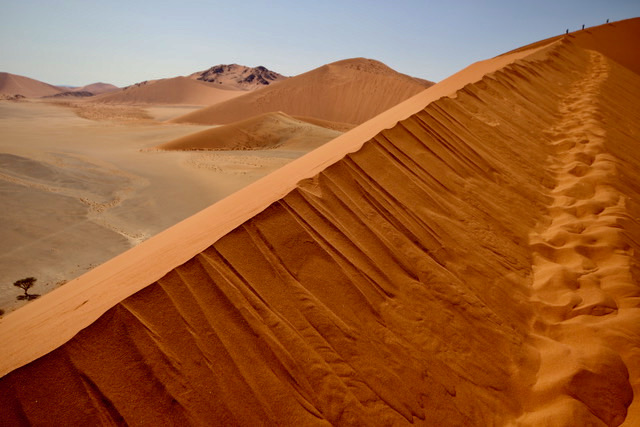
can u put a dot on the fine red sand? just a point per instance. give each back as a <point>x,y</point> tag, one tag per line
<point>173,91</point>
<point>270,130</point>
<point>348,91</point>
<point>468,257</point>
<point>12,84</point>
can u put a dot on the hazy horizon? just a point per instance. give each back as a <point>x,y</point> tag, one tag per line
<point>76,43</point>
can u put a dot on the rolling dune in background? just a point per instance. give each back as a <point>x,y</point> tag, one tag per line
<point>348,91</point>
<point>173,91</point>
<point>468,257</point>
<point>12,84</point>
<point>96,88</point>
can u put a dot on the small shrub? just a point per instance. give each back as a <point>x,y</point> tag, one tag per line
<point>25,284</point>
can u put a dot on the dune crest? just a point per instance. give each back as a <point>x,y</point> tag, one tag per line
<point>347,91</point>
<point>465,258</point>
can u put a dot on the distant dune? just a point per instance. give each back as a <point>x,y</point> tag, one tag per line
<point>177,90</point>
<point>84,91</point>
<point>341,127</point>
<point>238,76</point>
<point>96,88</point>
<point>468,257</point>
<point>269,130</point>
<point>13,84</point>
<point>348,91</point>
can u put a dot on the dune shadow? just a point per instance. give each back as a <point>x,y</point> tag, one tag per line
<point>27,297</point>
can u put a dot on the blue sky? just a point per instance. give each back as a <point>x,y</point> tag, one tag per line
<point>122,42</point>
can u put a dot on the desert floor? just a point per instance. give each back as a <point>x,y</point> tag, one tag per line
<point>76,192</point>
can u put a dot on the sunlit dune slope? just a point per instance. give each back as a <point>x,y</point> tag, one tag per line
<point>613,39</point>
<point>177,90</point>
<point>468,257</point>
<point>13,84</point>
<point>265,131</point>
<point>348,91</point>
<point>340,127</point>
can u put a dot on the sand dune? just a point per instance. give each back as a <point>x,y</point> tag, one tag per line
<point>13,84</point>
<point>348,91</point>
<point>270,130</point>
<point>611,40</point>
<point>177,90</point>
<point>96,88</point>
<point>84,91</point>
<point>468,257</point>
<point>340,127</point>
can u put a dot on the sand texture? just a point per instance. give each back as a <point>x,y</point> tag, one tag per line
<point>266,131</point>
<point>348,91</point>
<point>12,84</point>
<point>340,127</point>
<point>468,257</point>
<point>173,91</point>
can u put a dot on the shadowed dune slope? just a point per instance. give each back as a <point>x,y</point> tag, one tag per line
<point>265,131</point>
<point>474,263</point>
<point>348,91</point>
<point>177,90</point>
<point>13,84</point>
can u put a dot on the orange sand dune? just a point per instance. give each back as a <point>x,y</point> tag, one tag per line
<point>177,90</point>
<point>13,84</point>
<point>611,39</point>
<point>348,91</point>
<point>265,131</point>
<point>468,257</point>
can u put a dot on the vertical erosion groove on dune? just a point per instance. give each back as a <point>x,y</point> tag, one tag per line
<point>394,287</point>
<point>583,266</point>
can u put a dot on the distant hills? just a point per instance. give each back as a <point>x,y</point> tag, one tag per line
<point>96,88</point>
<point>238,76</point>
<point>16,86</point>
<point>216,84</point>
<point>176,90</point>
<point>348,91</point>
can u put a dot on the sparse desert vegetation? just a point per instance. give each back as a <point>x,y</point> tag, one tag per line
<point>26,284</point>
